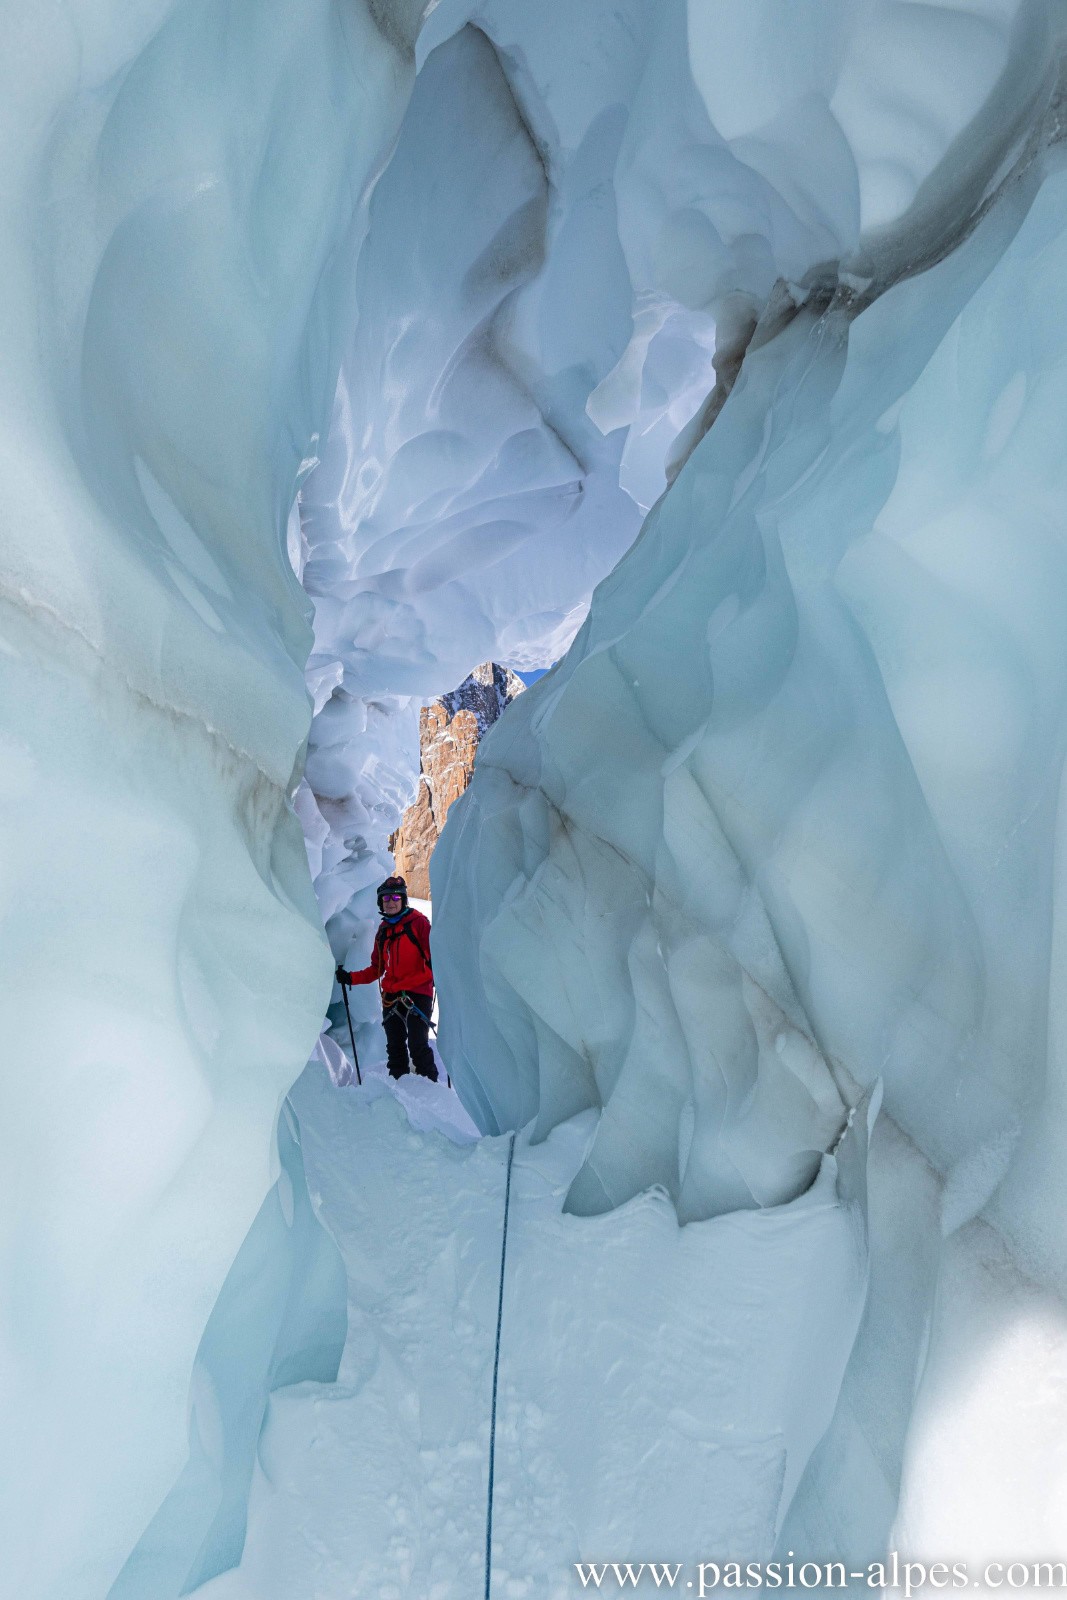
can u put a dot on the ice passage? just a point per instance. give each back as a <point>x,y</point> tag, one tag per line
<point>720,350</point>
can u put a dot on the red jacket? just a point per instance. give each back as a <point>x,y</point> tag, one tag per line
<point>401,956</point>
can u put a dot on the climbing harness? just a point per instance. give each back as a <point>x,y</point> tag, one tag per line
<point>405,1005</point>
<point>351,1035</point>
<point>496,1374</point>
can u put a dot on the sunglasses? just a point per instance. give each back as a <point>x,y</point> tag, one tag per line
<point>387,898</point>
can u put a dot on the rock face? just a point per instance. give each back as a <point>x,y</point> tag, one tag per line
<point>450,730</point>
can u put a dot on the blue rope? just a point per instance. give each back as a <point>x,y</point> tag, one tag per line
<point>496,1374</point>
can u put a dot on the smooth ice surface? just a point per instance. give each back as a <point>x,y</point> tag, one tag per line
<point>794,762</point>
<point>279,1320</point>
<point>178,181</point>
<point>827,849</point>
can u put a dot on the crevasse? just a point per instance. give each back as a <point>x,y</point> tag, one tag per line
<point>434,304</point>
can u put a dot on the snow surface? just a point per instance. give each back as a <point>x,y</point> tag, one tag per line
<point>648,1396</point>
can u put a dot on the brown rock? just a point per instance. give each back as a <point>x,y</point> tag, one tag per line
<point>448,751</point>
<point>450,730</point>
<point>412,844</point>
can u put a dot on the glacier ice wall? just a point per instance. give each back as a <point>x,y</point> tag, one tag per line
<point>751,798</point>
<point>463,504</point>
<point>183,186</point>
<point>720,709</point>
<point>280,1319</point>
<point>598,228</point>
<point>785,820</point>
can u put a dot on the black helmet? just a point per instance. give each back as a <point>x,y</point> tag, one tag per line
<point>393,886</point>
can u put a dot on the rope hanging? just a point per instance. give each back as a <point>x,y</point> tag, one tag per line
<point>496,1375</point>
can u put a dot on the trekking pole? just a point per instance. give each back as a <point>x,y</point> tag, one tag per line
<point>351,1035</point>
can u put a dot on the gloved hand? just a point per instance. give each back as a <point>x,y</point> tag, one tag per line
<point>341,976</point>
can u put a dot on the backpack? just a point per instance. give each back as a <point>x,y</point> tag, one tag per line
<point>405,927</point>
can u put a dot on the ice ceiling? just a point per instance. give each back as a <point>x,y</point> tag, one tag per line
<point>487,284</point>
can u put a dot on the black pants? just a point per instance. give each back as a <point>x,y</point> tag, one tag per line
<point>407,1028</point>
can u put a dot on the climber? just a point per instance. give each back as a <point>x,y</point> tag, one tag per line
<point>400,961</point>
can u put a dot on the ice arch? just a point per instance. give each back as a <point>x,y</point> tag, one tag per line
<point>189,261</point>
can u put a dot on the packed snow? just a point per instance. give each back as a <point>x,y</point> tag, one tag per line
<point>628,1421</point>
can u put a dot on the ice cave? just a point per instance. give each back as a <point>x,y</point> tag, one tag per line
<point>712,354</point>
